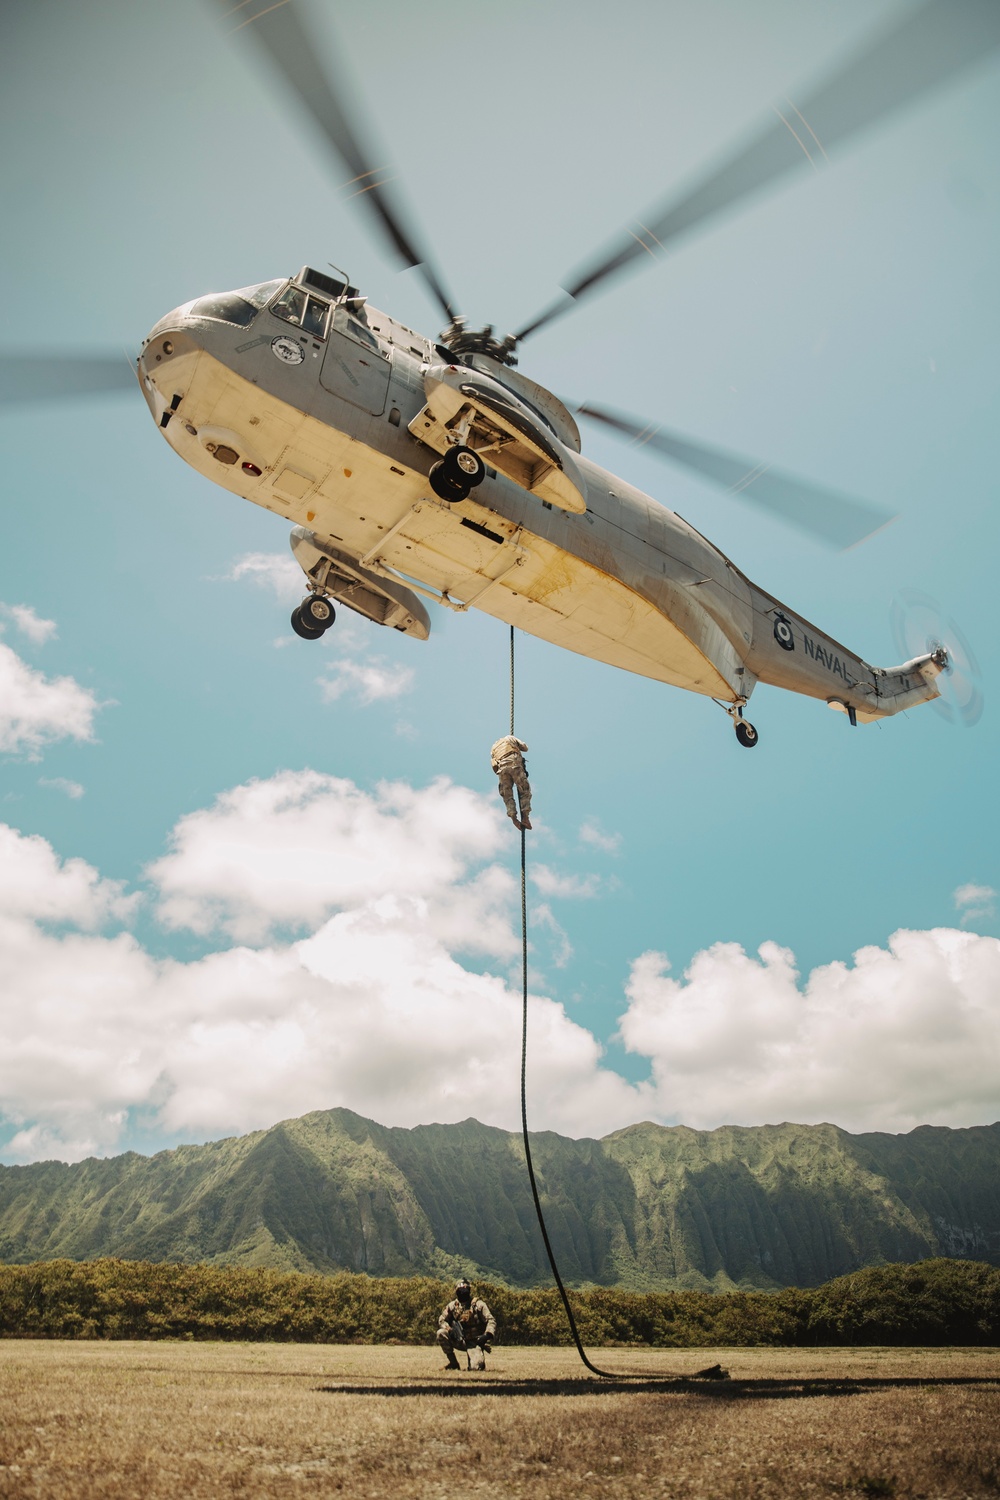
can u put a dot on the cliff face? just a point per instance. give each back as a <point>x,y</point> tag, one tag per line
<point>650,1207</point>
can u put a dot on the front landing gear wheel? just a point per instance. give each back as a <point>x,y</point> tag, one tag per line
<point>745,733</point>
<point>317,612</point>
<point>301,628</point>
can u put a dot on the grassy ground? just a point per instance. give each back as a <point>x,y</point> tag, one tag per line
<point>147,1421</point>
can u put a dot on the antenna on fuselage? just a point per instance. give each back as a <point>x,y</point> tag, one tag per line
<point>346,279</point>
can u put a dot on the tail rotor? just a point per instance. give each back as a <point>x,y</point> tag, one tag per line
<point>919,624</point>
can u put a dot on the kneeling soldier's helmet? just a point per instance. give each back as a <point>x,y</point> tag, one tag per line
<point>463,1291</point>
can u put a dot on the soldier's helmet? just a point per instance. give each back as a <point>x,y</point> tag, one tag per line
<point>463,1290</point>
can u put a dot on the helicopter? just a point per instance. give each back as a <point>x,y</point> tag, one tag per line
<point>418,469</point>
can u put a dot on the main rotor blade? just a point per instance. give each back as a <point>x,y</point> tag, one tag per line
<point>32,377</point>
<point>278,30</point>
<point>922,52</point>
<point>837,519</point>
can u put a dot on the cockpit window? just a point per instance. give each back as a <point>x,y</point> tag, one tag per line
<point>239,307</point>
<point>314,321</point>
<point>227,307</point>
<point>291,305</point>
<point>260,295</point>
<point>307,313</point>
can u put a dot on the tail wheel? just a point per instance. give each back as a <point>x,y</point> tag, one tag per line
<point>746,733</point>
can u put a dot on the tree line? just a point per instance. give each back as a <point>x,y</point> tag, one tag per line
<point>934,1302</point>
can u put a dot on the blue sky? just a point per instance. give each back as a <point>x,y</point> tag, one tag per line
<point>844,327</point>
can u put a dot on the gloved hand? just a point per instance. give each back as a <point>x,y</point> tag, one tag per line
<point>484,1344</point>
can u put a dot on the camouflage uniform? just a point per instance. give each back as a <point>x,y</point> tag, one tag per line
<point>465,1326</point>
<point>509,766</point>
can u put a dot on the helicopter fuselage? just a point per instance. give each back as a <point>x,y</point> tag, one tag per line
<point>321,424</point>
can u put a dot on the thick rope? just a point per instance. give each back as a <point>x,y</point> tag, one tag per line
<point>595,1369</point>
<point>605,1374</point>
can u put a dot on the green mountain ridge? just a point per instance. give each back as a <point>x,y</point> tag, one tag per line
<point>647,1208</point>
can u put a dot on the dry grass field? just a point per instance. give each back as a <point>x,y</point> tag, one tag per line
<point>147,1421</point>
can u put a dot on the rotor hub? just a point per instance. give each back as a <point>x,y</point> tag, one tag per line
<point>462,340</point>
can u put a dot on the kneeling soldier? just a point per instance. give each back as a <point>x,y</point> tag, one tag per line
<point>466,1324</point>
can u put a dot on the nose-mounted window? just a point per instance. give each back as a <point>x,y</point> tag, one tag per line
<point>311,314</point>
<point>239,307</point>
<point>225,307</point>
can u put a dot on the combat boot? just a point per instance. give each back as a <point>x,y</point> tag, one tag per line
<point>453,1363</point>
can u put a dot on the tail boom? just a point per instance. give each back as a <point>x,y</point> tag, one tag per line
<point>789,652</point>
<point>906,686</point>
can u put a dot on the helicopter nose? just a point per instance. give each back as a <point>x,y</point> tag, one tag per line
<point>170,335</point>
<point>165,365</point>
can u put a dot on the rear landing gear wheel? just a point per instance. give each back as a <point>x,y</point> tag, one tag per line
<point>466,466</point>
<point>301,628</point>
<point>445,483</point>
<point>745,733</point>
<point>453,476</point>
<point>317,612</point>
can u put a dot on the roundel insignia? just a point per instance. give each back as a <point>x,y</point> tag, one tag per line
<point>289,351</point>
<point>783,633</point>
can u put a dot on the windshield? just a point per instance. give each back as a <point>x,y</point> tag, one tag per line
<point>240,307</point>
<point>260,295</point>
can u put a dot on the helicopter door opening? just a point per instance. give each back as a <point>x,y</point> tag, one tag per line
<point>355,368</point>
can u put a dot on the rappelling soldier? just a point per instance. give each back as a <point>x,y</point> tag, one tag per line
<point>466,1325</point>
<point>508,763</point>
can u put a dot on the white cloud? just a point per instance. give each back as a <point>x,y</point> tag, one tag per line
<point>369,1004</point>
<point>907,1035</point>
<point>36,884</point>
<point>593,834</point>
<point>977,903</point>
<point>564,887</point>
<point>41,1143</point>
<point>71,789</point>
<point>371,1010</point>
<point>278,572</point>
<point>287,852</point>
<point>372,679</point>
<point>29,622</point>
<point>36,710</point>
<point>541,916</point>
